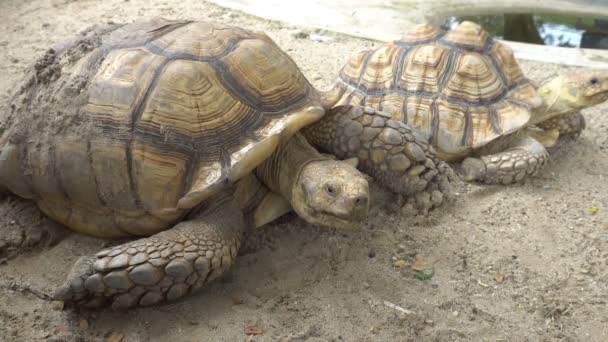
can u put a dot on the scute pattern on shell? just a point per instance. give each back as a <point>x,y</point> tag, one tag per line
<point>461,89</point>
<point>170,112</point>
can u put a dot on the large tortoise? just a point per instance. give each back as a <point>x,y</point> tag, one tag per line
<point>185,133</point>
<point>466,94</point>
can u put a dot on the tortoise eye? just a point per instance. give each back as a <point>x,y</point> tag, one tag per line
<point>594,81</point>
<point>330,190</point>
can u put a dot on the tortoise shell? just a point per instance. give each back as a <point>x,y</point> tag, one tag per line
<point>123,129</point>
<point>461,89</point>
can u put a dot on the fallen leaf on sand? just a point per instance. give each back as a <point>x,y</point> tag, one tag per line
<point>115,338</point>
<point>83,324</point>
<point>236,298</point>
<point>57,305</point>
<point>425,274</point>
<point>399,263</point>
<point>593,210</point>
<point>253,330</point>
<point>418,264</point>
<point>60,330</point>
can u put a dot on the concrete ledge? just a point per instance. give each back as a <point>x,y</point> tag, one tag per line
<point>385,20</point>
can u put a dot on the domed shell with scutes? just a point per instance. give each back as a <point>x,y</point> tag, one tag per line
<point>150,121</point>
<point>461,89</point>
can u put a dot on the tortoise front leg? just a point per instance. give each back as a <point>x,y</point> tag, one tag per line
<point>162,267</point>
<point>524,156</point>
<point>569,125</point>
<point>388,150</point>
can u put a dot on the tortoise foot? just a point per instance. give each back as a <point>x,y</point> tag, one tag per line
<point>24,229</point>
<point>161,268</point>
<point>526,158</point>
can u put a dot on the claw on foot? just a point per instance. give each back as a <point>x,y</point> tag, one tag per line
<point>73,289</point>
<point>472,169</point>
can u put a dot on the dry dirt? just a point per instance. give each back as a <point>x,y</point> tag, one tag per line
<point>521,263</point>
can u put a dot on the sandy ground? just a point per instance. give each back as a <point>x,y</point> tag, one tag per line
<point>522,263</point>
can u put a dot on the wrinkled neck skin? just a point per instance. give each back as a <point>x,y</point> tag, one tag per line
<point>320,189</point>
<point>281,171</point>
<point>331,97</point>
<point>556,101</point>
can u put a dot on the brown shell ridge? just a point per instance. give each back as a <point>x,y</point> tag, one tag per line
<point>484,50</point>
<point>353,89</point>
<point>158,33</point>
<point>60,185</point>
<point>176,141</point>
<point>225,163</point>
<point>403,54</point>
<point>95,180</point>
<point>434,121</point>
<point>135,118</point>
<point>364,66</point>
<point>409,44</point>
<point>179,142</point>
<point>149,45</point>
<point>404,112</point>
<point>445,77</point>
<point>168,28</point>
<point>100,198</point>
<point>249,99</point>
<point>138,111</point>
<point>186,144</point>
<point>157,50</point>
<point>494,120</point>
<point>498,69</point>
<point>363,89</point>
<point>431,95</point>
<point>518,103</point>
<point>467,127</point>
<point>449,66</point>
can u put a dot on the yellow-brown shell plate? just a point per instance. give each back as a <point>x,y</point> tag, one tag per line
<point>459,88</point>
<point>173,111</point>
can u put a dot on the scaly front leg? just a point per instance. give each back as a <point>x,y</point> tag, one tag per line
<point>388,150</point>
<point>569,125</point>
<point>163,267</point>
<point>523,157</point>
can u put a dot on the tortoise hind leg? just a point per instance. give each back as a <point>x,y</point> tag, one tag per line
<point>162,267</point>
<point>524,156</point>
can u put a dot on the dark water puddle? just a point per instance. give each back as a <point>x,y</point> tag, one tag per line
<point>544,29</point>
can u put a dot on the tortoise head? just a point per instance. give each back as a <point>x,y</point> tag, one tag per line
<point>570,92</point>
<point>585,89</point>
<point>331,193</point>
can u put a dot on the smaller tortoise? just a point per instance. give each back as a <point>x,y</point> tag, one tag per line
<point>182,134</point>
<point>466,94</point>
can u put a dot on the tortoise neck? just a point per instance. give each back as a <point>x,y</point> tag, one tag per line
<point>331,97</point>
<point>281,171</point>
<point>556,101</point>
